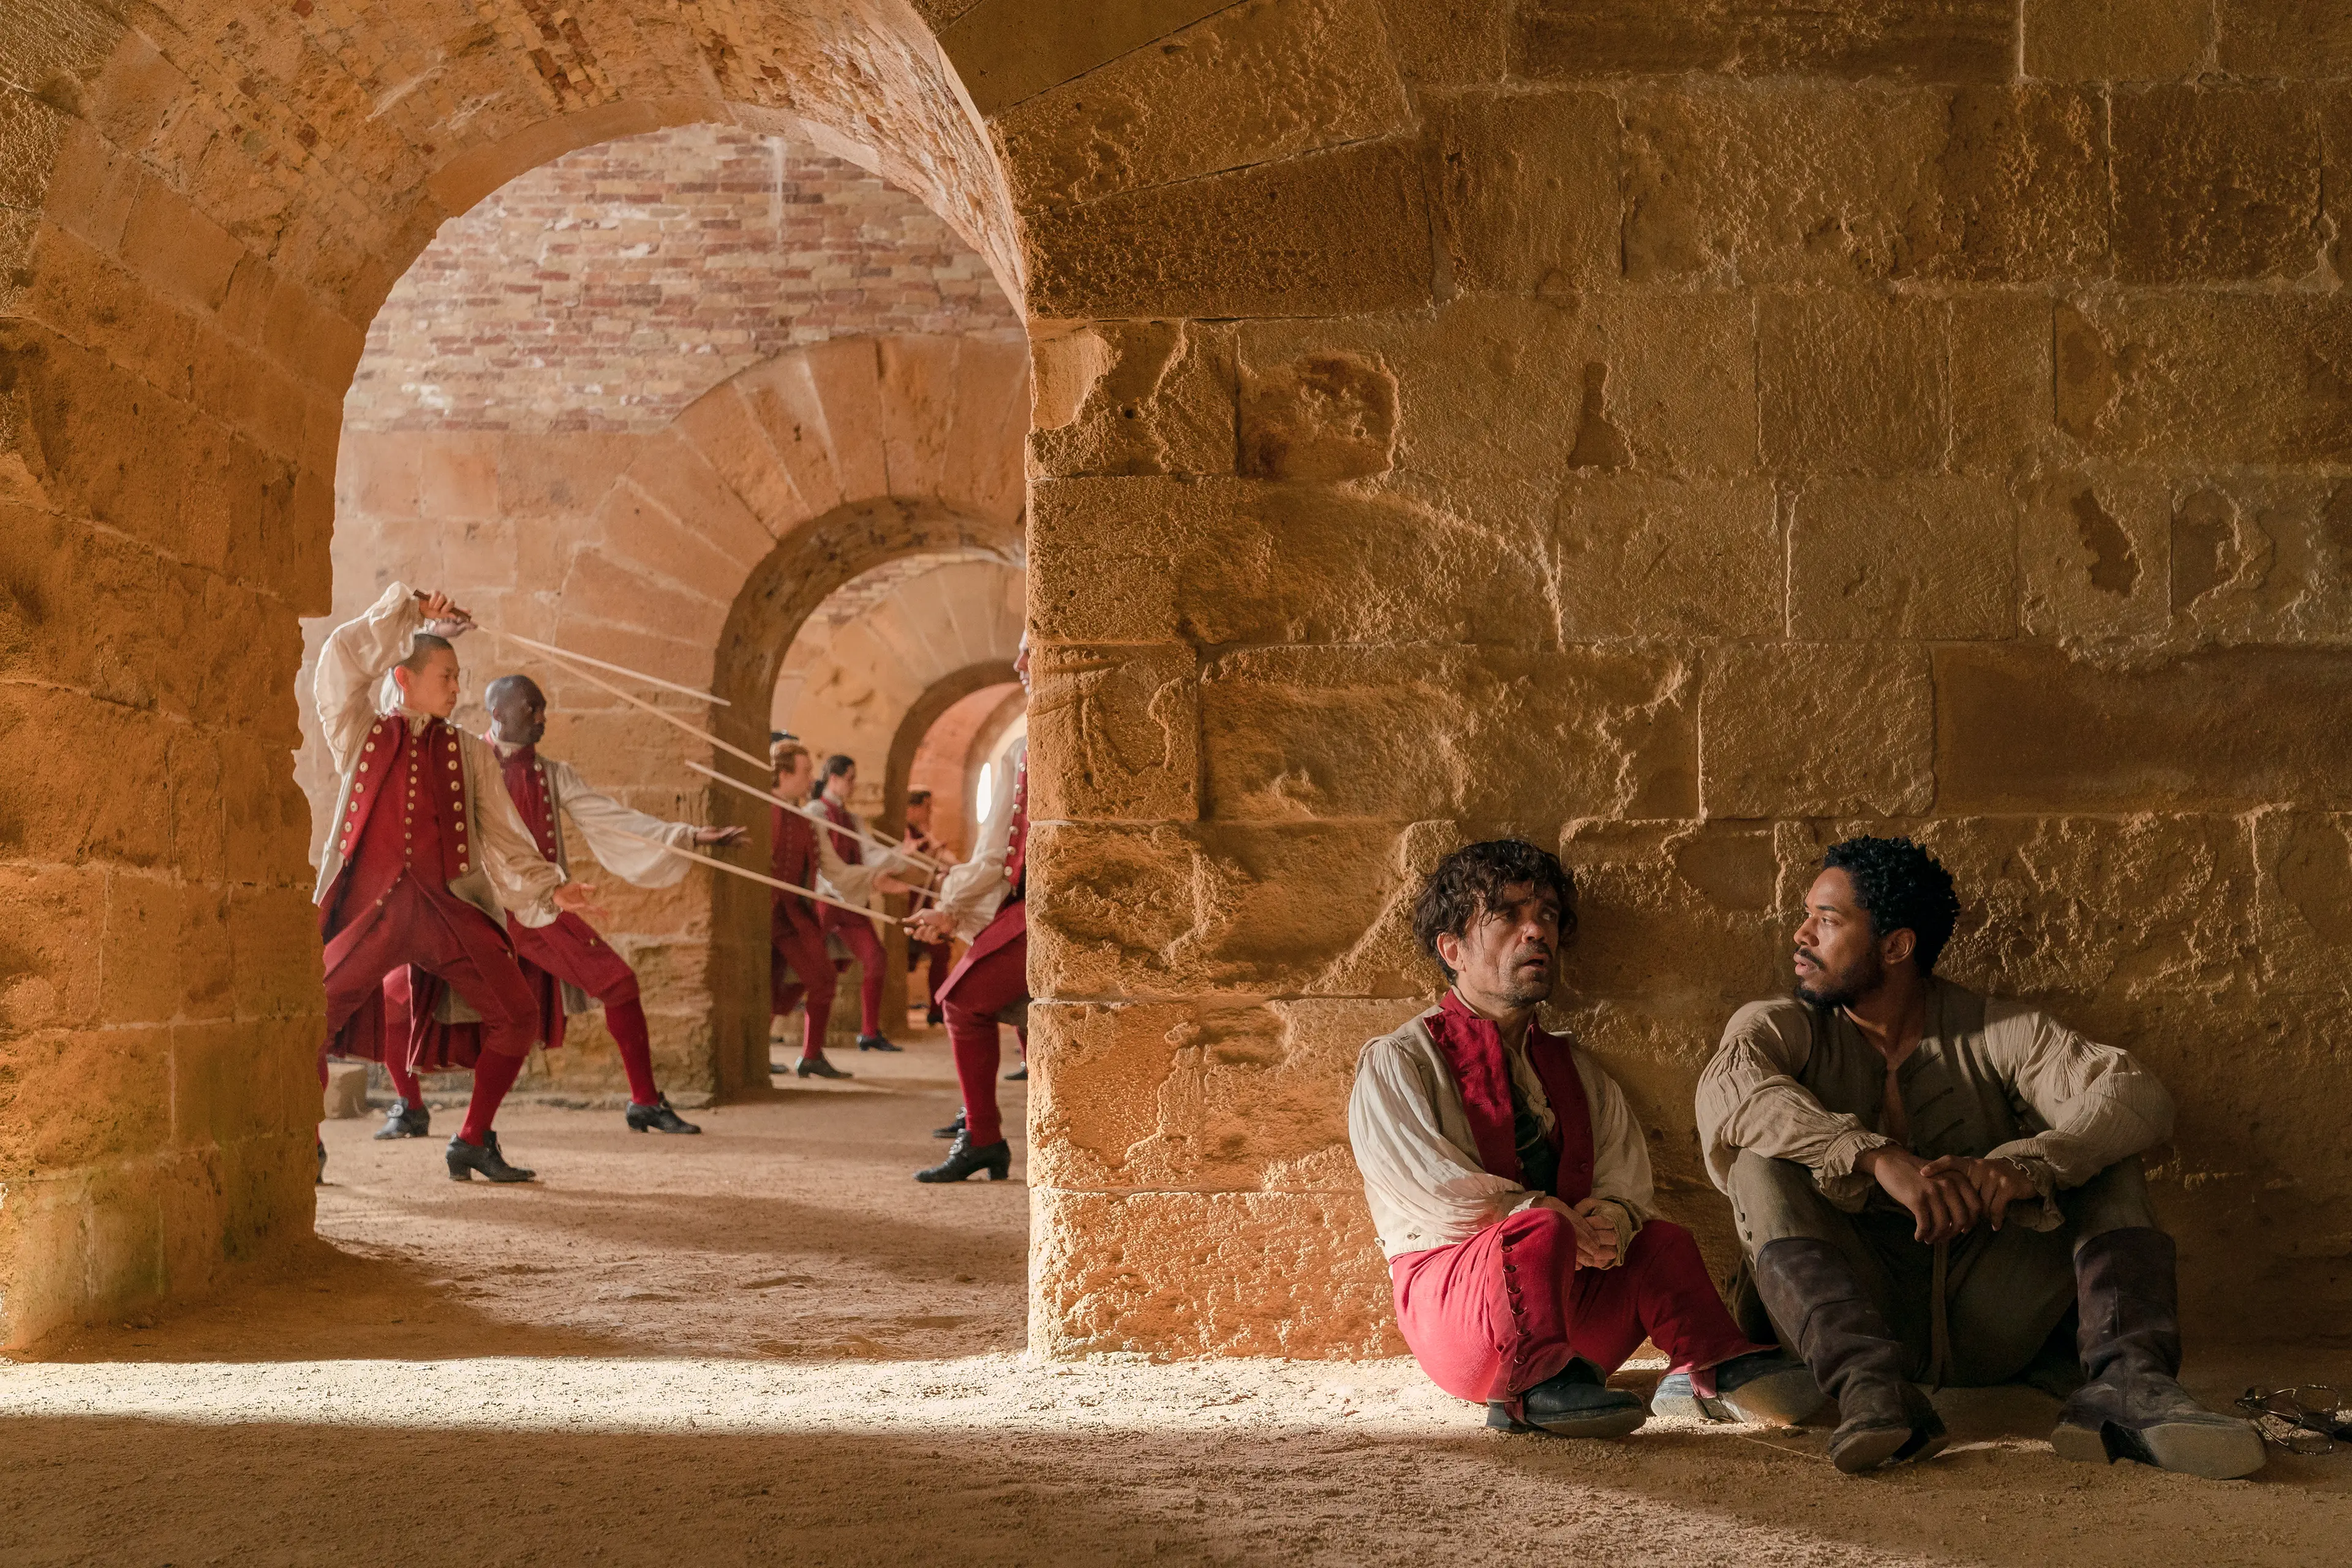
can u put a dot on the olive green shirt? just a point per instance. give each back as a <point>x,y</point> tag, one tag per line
<point>1989,1078</point>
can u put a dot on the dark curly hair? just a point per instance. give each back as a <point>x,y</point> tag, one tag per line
<point>1470,882</point>
<point>1902,887</point>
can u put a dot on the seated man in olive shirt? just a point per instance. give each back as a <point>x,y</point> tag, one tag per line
<point>1927,1179</point>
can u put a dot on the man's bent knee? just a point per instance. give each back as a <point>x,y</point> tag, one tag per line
<point>1774,1200</point>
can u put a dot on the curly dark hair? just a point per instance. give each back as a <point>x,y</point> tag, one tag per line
<point>1470,882</point>
<point>1902,887</point>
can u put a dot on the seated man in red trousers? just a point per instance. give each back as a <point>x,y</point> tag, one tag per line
<point>1511,1189</point>
<point>985,901</point>
<point>565,962</point>
<point>427,857</point>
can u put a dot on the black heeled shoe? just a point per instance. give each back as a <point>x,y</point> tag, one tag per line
<point>817,1067</point>
<point>876,1043</point>
<point>659,1118</point>
<point>952,1130</point>
<point>405,1120</point>
<point>1018,1075</point>
<point>464,1159</point>
<point>963,1159</point>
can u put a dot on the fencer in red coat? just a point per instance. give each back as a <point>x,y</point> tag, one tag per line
<point>566,962</point>
<point>427,859</point>
<point>801,968</point>
<point>853,931</point>
<point>984,899</point>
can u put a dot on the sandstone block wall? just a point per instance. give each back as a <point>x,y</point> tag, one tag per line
<point>1682,436</point>
<point>1678,432</point>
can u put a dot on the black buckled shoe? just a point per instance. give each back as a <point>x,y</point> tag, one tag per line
<point>952,1130</point>
<point>1768,1387</point>
<point>963,1160</point>
<point>817,1067</point>
<point>405,1120</point>
<point>876,1043</point>
<point>464,1159</point>
<point>659,1118</point>
<point>1574,1402</point>
<point>933,1017</point>
<point>1018,1075</point>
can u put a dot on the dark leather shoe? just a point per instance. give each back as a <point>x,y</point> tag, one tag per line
<point>1574,1402</point>
<point>963,1159</point>
<point>876,1043</point>
<point>405,1120</point>
<point>464,1159</point>
<point>2132,1414</point>
<point>934,1018</point>
<point>1768,1387</point>
<point>1018,1075</point>
<point>817,1067</point>
<point>952,1130</point>
<point>659,1118</point>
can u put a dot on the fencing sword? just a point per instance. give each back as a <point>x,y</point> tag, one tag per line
<point>754,875</point>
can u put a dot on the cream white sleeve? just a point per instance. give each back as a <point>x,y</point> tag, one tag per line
<point>524,880</point>
<point>602,822</point>
<point>1414,1179</point>
<point>2097,1104</point>
<point>356,657</point>
<point>1620,1156</point>
<point>973,890</point>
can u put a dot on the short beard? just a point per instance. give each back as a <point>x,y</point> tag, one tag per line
<point>1845,990</point>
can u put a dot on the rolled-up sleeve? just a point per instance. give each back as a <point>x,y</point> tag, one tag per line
<point>2097,1104</point>
<point>1748,1098</point>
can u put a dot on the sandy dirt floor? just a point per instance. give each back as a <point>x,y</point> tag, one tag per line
<point>769,1345</point>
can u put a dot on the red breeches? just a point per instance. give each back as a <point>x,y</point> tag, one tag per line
<point>570,948</point>
<point>857,934</point>
<point>445,937</point>
<point>992,976</point>
<point>1491,1317</point>
<point>798,968</point>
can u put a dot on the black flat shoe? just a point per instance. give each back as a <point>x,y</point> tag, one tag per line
<point>405,1120</point>
<point>952,1130</point>
<point>1018,1075</point>
<point>659,1118</point>
<point>876,1043</point>
<point>817,1067</point>
<point>963,1159</point>
<point>934,1018</point>
<point>464,1159</point>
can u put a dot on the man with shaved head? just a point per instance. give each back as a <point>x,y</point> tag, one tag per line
<point>428,865</point>
<point>565,962</point>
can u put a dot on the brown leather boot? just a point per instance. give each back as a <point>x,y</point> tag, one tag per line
<point>1883,1418</point>
<point>2133,1408</point>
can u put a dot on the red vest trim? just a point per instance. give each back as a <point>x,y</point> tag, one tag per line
<point>1473,1048</point>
